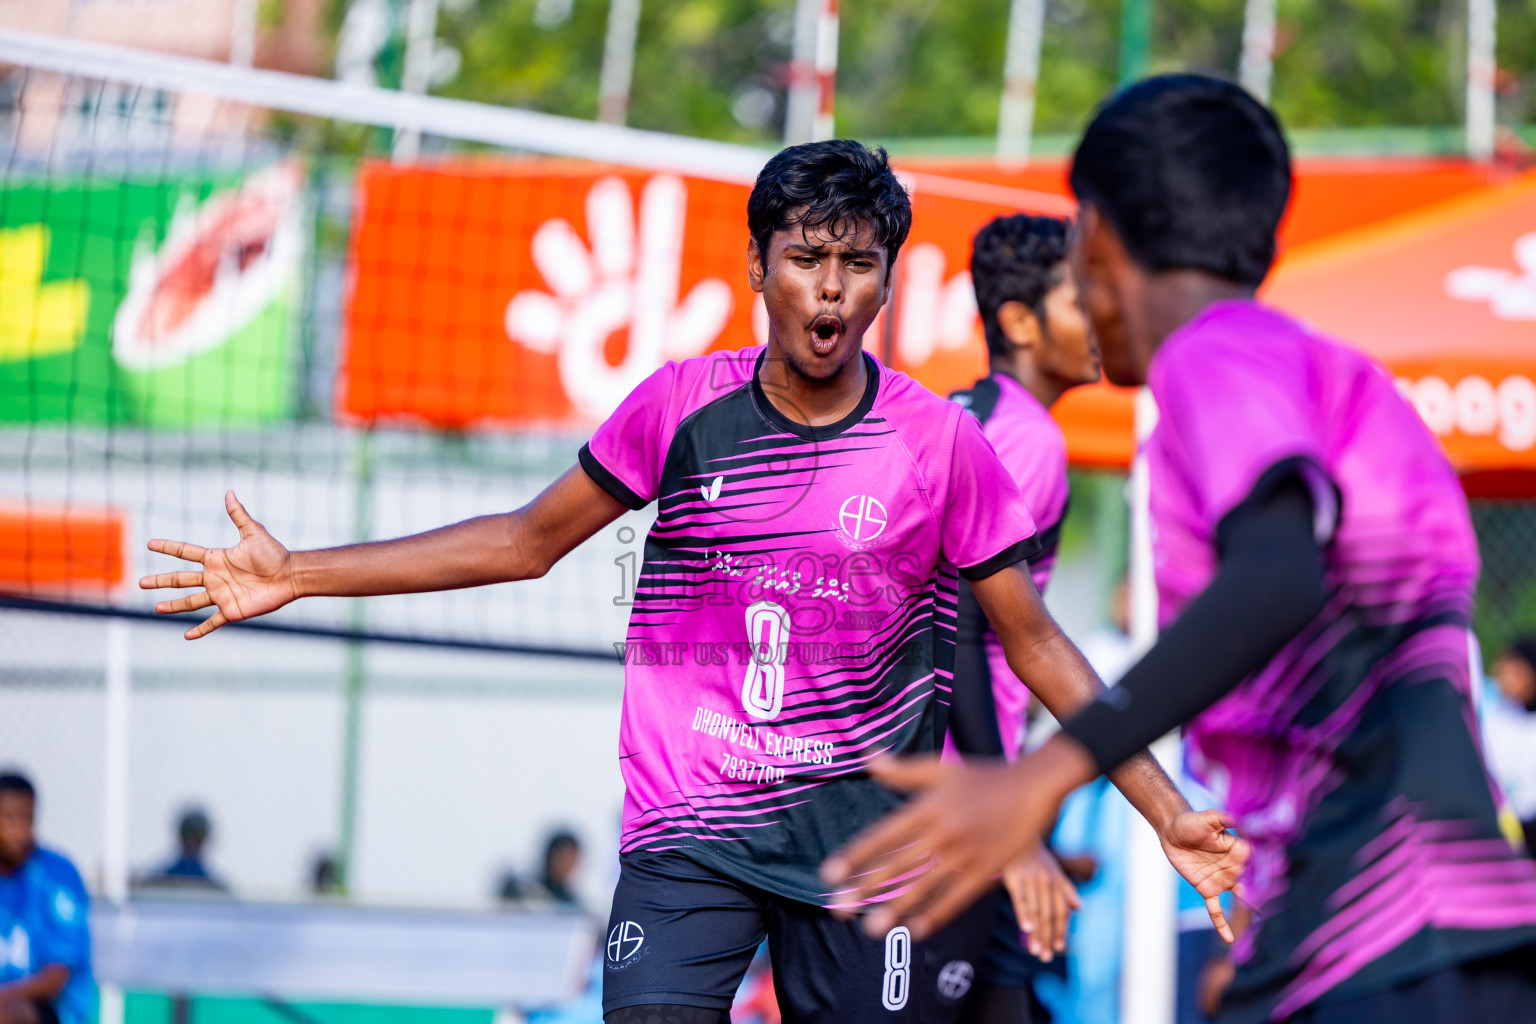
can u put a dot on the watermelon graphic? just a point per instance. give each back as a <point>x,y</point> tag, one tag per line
<point>202,334</point>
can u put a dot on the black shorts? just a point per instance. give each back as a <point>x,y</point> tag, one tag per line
<point>685,934</point>
<point>47,1013</point>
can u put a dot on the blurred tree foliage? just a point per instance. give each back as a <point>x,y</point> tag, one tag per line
<point>694,62</point>
<point>912,68</point>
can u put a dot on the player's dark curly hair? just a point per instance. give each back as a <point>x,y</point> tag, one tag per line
<point>833,186</point>
<point>1192,172</point>
<point>1016,259</point>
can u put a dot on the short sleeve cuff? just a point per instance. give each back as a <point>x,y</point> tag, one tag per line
<point>1013,554</point>
<point>1048,540</point>
<point>607,481</point>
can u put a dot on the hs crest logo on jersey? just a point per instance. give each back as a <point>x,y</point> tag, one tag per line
<point>861,519</point>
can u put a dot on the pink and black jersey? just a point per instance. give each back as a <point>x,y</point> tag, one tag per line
<point>794,615</point>
<point>1350,760</point>
<point>1034,451</point>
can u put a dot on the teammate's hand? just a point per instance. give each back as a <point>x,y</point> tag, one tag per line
<point>1208,856</point>
<point>1043,898</point>
<point>932,858</point>
<point>252,578</point>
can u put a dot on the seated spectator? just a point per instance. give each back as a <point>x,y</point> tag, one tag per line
<point>187,870</point>
<point>562,859</point>
<point>1509,731</point>
<point>325,877</point>
<point>510,888</point>
<point>45,945</point>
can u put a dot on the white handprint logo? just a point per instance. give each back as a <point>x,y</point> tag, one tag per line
<point>935,312</point>
<point>1511,294</point>
<point>621,281</point>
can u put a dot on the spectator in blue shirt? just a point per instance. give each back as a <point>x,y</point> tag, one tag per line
<point>188,870</point>
<point>45,945</point>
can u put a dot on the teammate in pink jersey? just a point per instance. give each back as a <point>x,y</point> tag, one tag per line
<point>793,619</point>
<point>1039,347</point>
<point>1315,563</point>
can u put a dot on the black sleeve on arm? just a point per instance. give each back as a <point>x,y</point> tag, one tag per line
<point>972,710</point>
<point>1269,586</point>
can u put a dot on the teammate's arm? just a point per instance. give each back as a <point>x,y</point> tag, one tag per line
<point>972,706</point>
<point>259,575</point>
<point>1270,584</point>
<point>1057,673</point>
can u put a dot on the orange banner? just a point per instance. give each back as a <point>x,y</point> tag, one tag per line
<point>1446,299</point>
<point>45,547</point>
<point>496,294</point>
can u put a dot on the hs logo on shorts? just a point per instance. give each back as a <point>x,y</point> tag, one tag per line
<point>624,942</point>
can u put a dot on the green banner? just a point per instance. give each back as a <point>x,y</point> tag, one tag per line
<point>165,303</point>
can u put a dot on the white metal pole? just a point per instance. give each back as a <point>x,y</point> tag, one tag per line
<point>1482,66</point>
<point>800,103</point>
<point>826,70</point>
<point>114,847</point>
<point>242,32</point>
<point>618,61</point>
<point>416,76</point>
<point>1149,955</point>
<point>1257,65</point>
<point>1021,74</point>
<point>114,830</point>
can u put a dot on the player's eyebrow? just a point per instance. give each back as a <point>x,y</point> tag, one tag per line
<point>794,249</point>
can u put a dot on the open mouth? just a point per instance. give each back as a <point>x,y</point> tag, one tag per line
<point>825,331</point>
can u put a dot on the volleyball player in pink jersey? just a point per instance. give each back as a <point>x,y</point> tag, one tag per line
<point>1039,347</point>
<point>793,619</point>
<point>1315,564</point>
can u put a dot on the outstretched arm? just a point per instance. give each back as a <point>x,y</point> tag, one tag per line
<point>259,575</point>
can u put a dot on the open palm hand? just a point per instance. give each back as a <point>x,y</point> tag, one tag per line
<point>252,578</point>
<point>1209,857</point>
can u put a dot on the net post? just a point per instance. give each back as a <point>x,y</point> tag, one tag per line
<point>245,21</point>
<point>1257,65</point>
<point>618,69</point>
<point>1135,39</point>
<point>357,669</point>
<point>1482,68</point>
<point>1148,989</point>
<point>1021,75</point>
<point>822,127</point>
<point>420,39</point>
<point>114,857</point>
<point>115,758</point>
<point>813,72</point>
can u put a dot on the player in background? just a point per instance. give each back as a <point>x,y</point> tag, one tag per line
<point>1316,563</point>
<point>45,943</point>
<point>1038,348</point>
<point>788,626</point>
